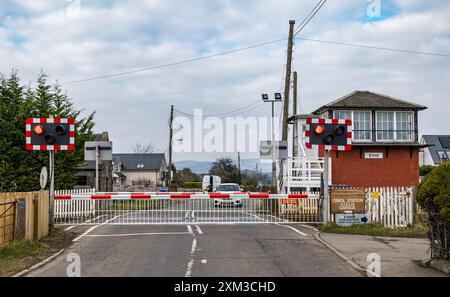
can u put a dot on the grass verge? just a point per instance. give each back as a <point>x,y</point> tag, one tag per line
<point>21,255</point>
<point>417,231</point>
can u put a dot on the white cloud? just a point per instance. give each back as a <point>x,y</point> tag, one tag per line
<point>115,36</point>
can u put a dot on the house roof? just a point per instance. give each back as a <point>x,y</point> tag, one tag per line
<point>368,100</point>
<point>436,143</point>
<point>140,162</point>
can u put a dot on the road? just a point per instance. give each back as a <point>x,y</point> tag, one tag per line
<point>198,250</point>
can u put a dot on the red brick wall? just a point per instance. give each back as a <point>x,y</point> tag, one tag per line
<point>398,169</point>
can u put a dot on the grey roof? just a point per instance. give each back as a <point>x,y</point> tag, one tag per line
<point>101,136</point>
<point>437,143</point>
<point>368,100</point>
<point>151,161</point>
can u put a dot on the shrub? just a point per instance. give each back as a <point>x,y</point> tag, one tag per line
<point>425,169</point>
<point>433,193</point>
<point>192,185</point>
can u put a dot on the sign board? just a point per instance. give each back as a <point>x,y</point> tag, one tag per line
<point>372,155</point>
<point>104,148</point>
<point>43,177</point>
<point>289,201</point>
<point>375,195</point>
<point>265,150</point>
<point>347,200</point>
<point>346,220</point>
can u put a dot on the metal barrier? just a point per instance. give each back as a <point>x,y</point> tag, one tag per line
<point>7,222</point>
<point>187,208</point>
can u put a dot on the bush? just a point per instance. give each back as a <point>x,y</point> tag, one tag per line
<point>425,169</point>
<point>433,193</point>
<point>192,185</point>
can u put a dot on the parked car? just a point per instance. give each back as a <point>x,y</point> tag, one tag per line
<point>228,188</point>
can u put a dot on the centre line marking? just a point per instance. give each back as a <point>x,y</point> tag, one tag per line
<point>204,261</point>
<point>198,229</point>
<point>189,268</point>
<point>194,246</point>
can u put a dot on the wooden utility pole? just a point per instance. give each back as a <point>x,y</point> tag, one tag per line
<point>287,81</point>
<point>239,166</point>
<point>294,112</point>
<point>169,180</point>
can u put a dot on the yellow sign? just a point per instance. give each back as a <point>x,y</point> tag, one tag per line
<point>375,195</point>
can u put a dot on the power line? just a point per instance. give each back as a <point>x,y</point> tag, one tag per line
<point>176,63</point>
<point>310,16</point>
<point>376,47</point>
<point>229,113</point>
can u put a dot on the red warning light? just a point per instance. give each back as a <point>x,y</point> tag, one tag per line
<point>319,129</point>
<point>38,129</point>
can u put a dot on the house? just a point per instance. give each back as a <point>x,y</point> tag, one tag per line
<point>437,150</point>
<point>86,174</point>
<point>139,170</point>
<point>385,148</point>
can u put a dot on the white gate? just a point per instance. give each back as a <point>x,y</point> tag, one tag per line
<point>184,208</point>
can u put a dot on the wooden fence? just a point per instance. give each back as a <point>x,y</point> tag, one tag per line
<point>29,218</point>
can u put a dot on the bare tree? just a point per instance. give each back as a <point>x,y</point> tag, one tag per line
<point>142,148</point>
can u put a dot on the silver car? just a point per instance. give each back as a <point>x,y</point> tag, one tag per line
<point>228,188</point>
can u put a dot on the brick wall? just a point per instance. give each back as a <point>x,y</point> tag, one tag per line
<point>397,168</point>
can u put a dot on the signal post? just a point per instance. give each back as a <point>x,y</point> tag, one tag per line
<point>50,134</point>
<point>328,135</point>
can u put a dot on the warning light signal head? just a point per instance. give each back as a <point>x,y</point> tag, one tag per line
<point>328,139</point>
<point>319,129</point>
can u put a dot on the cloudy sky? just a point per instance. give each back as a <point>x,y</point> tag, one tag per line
<point>76,40</point>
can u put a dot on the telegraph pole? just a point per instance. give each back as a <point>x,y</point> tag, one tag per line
<point>169,181</point>
<point>287,81</point>
<point>294,112</point>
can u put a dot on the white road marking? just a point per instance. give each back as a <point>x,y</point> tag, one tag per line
<point>96,226</point>
<point>192,214</point>
<point>191,261</point>
<point>189,268</point>
<point>138,234</point>
<point>204,261</point>
<point>198,229</point>
<point>93,228</point>
<point>71,227</point>
<point>310,227</point>
<point>189,229</point>
<point>186,216</point>
<point>295,230</point>
<point>194,246</point>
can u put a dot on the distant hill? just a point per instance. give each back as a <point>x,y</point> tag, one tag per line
<point>202,167</point>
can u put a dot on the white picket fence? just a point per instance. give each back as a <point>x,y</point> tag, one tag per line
<point>391,206</point>
<point>74,208</point>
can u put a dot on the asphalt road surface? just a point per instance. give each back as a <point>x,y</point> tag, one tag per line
<point>191,250</point>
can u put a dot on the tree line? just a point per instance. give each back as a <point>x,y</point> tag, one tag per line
<point>19,168</point>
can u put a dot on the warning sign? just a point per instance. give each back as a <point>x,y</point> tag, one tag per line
<point>347,200</point>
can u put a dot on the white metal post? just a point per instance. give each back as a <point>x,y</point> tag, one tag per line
<point>326,197</point>
<point>96,167</point>
<point>51,161</point>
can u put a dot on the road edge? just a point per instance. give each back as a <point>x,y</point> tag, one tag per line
<point>40,264</point>
<point>346,259</point>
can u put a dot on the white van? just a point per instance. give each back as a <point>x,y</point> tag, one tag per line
<point>216,182</point>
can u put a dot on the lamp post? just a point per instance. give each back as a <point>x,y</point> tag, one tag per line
<point>278,98</point>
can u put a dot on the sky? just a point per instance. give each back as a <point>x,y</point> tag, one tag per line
<point>76,40</point>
